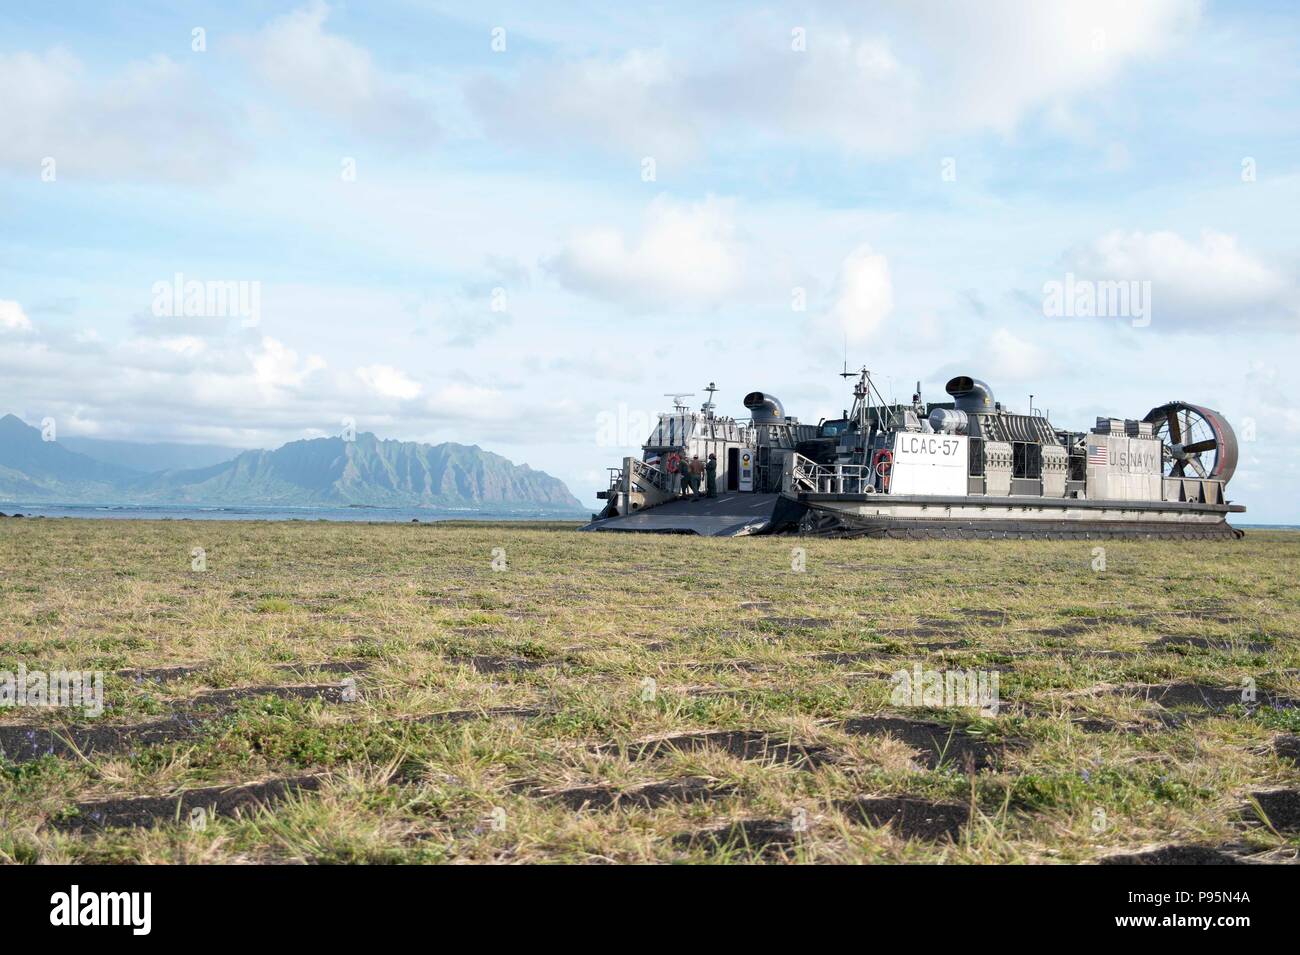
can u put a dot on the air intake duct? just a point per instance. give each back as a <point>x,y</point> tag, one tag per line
<point>970,394</point>
<point>947,421</point>
<point>764,409</point>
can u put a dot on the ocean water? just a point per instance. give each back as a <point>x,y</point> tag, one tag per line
<point>241,512</point>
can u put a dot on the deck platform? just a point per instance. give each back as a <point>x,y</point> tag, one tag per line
<point>728,515</point>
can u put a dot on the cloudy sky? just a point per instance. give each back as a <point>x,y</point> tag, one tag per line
<point>519,225</point>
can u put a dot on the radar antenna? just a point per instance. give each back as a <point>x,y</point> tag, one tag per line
<point>677,396</point>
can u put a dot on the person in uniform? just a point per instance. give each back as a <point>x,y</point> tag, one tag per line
<point>711,475</point>
<point>696,472</point>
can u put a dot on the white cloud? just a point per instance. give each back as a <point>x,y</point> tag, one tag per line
<point>148,121</point>
<point>628,100</point>
<point>683,255</point>
<point>1004,357</point>
<point>864,295</point>
<point>276,367</point>
<point>1008,357</point>
<point>879,80</point>
<point>335,77</point>
<point>251,395</point>
<point>187,345</point>
<point>1213,280</point>
<point>997,61</point>
<point>389,382</point>
<point>470,401</point>
<point>13,318</point>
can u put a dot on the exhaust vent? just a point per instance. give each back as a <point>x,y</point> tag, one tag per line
<point>970,394</point>
<point>764,409</point>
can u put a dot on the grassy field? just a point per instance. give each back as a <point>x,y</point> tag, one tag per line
<point>381,693</point>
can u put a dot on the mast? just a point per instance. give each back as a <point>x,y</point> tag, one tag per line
<point>708,406</point>
<point>863,391</point>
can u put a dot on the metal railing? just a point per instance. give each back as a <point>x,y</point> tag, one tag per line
<point>653,476</point>
<point>808,475</point>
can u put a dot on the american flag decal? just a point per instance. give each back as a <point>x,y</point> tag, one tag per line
<point>1097,454</point>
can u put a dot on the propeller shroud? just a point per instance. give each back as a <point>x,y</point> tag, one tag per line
<point>1197,441</point>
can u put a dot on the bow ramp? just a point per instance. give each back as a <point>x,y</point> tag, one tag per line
<point>727,515</point>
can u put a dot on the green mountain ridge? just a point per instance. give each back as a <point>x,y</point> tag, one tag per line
<point>318,471</point>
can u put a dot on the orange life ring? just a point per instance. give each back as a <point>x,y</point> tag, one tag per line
<point>882,463</point>
<point>673,462</point>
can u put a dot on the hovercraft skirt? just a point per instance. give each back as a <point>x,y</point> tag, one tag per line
<point>820,518</point>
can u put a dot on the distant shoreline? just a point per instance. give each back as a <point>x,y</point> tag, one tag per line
<point>343,513</point>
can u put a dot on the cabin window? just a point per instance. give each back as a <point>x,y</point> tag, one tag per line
<point>1027,460</point>
<point>1078,467</point>
<point>976,454</point>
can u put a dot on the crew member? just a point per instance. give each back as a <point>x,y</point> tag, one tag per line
<point>696,472</point>
<point>711,475</point>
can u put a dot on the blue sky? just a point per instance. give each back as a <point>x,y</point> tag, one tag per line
<point>502,270</point>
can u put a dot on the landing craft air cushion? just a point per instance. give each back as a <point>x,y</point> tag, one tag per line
<point>965,468</point>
